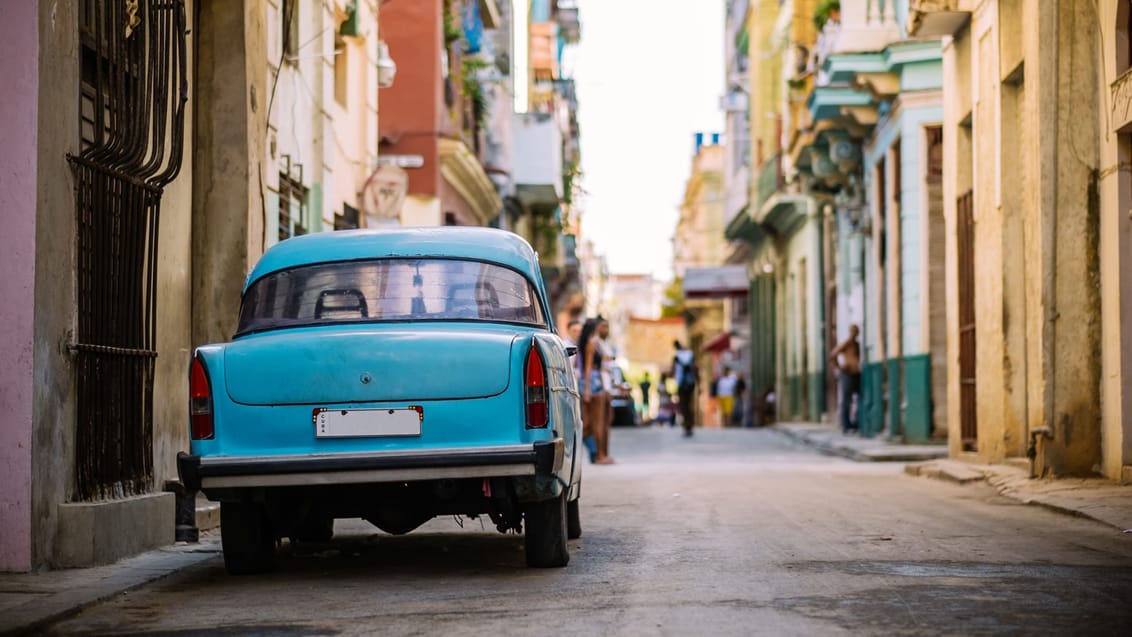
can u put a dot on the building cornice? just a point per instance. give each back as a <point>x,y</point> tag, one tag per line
<point>460,168</point>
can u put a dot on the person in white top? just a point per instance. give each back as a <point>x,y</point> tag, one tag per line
<point>725,396</point>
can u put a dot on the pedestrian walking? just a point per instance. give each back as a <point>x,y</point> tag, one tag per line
<point>741,416</point>
<point>665,410</point>
<point>725,396</point>
<point>846,359</point>
<point>645,386</point>
<point>685,371</point>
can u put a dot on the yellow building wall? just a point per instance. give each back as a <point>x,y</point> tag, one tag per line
<point>1036,229</point>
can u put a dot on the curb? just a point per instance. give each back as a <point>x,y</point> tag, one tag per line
<point>879,453</point>
<point>40,612</point>
<point>1095,502</point>
<point>1089,503</point>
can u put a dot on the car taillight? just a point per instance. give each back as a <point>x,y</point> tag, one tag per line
<point>535,385</point>
<point>200,402</point>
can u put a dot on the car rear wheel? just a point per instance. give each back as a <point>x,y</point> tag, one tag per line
<point>573,519</point>
<point>245,533</point>
<point>546,533</point>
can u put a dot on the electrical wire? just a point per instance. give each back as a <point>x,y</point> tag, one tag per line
<point>271,103</point>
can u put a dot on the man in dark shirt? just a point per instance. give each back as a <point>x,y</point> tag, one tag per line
<point>645,386</point>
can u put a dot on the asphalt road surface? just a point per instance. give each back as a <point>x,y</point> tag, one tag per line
<point>733,532</point>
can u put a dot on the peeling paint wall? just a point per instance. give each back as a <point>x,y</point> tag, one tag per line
<point>58,117</point>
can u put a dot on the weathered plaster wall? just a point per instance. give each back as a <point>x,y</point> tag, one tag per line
<point>801,352</point>
<point>228,208</point>
<point>1015,173</point>
<point>988,236</point>
<point>54,415</point>
<point>957,176</point>
<point>19,64</point>
<point>1038,358</point>
<point>53,443</point>
<point>1075,308</point>
<point>174,305</point>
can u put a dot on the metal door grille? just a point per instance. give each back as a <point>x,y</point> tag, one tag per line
<point>132,98</point>
<point>965,233</point>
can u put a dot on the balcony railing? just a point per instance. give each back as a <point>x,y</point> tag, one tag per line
<point>770,178</point>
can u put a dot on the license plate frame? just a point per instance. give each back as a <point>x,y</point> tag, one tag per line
<point>368,423</point>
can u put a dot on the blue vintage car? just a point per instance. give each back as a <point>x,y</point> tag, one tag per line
<point>392,375</point>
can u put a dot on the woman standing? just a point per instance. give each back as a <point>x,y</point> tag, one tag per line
<point>595,399</point>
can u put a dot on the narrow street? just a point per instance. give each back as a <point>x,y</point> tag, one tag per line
<point>734,532</point>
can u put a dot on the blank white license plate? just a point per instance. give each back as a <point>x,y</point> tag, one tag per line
<point>352,423</point>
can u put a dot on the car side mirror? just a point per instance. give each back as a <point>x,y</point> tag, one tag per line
<point>571,350</point>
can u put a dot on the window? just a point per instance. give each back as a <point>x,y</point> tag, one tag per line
<point>935,153</point>
<point>289,28</point>
<point>1123,36</point>
<point>348,220</point>
<point>389,290</point>
<point>341,71</point>
<point>292,208</point>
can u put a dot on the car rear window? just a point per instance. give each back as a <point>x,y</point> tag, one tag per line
<point>389,290</point>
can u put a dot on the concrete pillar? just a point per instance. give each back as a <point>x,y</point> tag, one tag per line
<point>232,93</point>
<point>1116,242</point>
<point>1073,313</point>
<point>19,65</point>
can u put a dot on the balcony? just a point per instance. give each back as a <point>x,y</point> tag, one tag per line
<point>770,178</point>
<point>568,23</point>
<point>538,160</point>
<point>934,18</point>
<point>544,62</point>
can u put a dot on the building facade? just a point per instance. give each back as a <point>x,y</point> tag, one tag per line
<point>434,115</point>
<point>1035,230</point>
<point>136,237</point>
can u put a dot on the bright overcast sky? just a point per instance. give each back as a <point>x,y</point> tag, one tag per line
<point>649,74</point>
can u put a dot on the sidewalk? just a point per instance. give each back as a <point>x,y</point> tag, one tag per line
<point>30,601</point>
<point>1097,499</point>
<point>828,439</point>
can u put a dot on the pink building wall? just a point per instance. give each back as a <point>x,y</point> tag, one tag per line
<point>19,66</point>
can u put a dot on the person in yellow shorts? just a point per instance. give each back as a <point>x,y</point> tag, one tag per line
<point>725,396</point>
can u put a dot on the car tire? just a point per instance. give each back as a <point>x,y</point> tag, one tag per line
<point>545,533</point>
<point>246,537</point>
<point>573,519</point>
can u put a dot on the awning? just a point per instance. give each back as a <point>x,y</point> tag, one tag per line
<point>716,283</point>
<point>719,343</point>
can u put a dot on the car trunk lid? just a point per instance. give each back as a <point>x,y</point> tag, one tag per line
<point>320,367</point>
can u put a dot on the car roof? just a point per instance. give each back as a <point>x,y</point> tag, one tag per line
<point>481,244</point>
